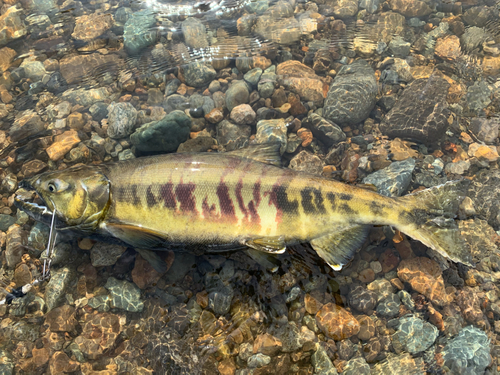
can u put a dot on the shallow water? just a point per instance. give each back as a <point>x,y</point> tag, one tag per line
<point>419,108</point>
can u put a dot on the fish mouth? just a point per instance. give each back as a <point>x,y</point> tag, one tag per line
<point>28,200</point>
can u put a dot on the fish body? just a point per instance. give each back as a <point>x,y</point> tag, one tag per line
<point>224,200</point>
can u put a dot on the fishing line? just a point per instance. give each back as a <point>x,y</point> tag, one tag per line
<point>23,290</point>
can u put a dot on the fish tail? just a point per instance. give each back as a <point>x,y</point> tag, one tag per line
<point>428,216</point>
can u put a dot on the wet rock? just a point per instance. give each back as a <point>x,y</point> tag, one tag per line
<point>272,131</point>
<point>400,364</point>
<point>198,74</point>
<point>479,15</point>
<point>14,245</point>
<point>164,135</point>
<point>472,38</point>
<point>231,136</point>
<point>60,280</point>
<point>258,360</point>
<point>87,97</point>
<point>278,24</point>
<point>428,118</point>
<point>322,363</point>
<point>75,68</point>
<point>61,319</point>
<point>198,144</point>
<point>125,295</point>
<point>485,192</point>
<point>8,182</point>
<point>481,238</point>
<point>486,130</point>
<point>394,180</point>
<point>382,289</point>
<point>22,275</point>
<point>367,328</point>
<point>38,236</point>
<point>267,344</point>
<point>424,276</point>
<point>356,366</point>
<point>410,8</point>
<point>6,363</point>
<point>459,167</point>
<point>345,8</point>
<point>62,144</point>
<point>389,306</point>
<point>478,96</point>
<point>414,335</point>
<point>90,27</point>
<point>33,69</point>
<point>195,33</point>
<point>6,221</point>
<point>174,102</point>
<point>336,322</point>
<point>289,335</point>
<point>406,299</point>
<point>468,353</point>
<point>307,162</point>
<point>483,152</point>
<point>326,131</point>
<point>25,126</point>
<point>60,363</point>
<point>400,47</point>
<point>99,333</point>
<point>100,303</point>
<point>6,56</point>
<point>253,76</point>
<point>122,118</point>
<point>243,114</point>
<point>219,300</point>
<point>103,254</point>
<point>352,94</point>
<point>237,94</point>
<point>11,25</point>
<point>138,32</point>
<point>302,80</point>
<point>362,299</point>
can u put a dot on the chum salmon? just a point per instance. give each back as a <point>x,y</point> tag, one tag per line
<point>237,199</point>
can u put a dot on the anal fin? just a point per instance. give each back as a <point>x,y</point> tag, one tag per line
<point>272,245</point>
<point>338,247</point>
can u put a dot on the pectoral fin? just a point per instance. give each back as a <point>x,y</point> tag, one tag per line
<point>154,259</point>
<point>272,245</point>
<point>338,247</point>
<point>135,236</point>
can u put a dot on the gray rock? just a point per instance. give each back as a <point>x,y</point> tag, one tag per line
<point>362,299</point>
<point>25,126</point>
<point>356,366</point>
<point>371,6</point>
<point>86,97</point>
<point>322,363</point>
<point>479,15</point>
<point>272,131</point>
<point>258,7</point>
<point>38,237</point>
<point>124,295</point>
<point>138,32</point>
<point>472,38</point>
<point>126,155</point>
<point>345,8</point>
<point>121,120</point>
<point>281,30</point>
<point>237,94</point>
<point>60,280</point>
<point>485,129</point>
<point>99,111</point>
<point>231,136</point>
<point>381,287</point>
<point>326,131</point>
<point>258,360</point>
<point>195,33</point>
<point>14,245</point>
<point>6,363</point>
<point>459,167</point>
<point>198,74</point>
<point>103,254</point>
<point>6,221</point>
<point>414,335</point>
<point>175,102</point>
<point>253,76</point>
<point>289,334</point>
<point>485,193</point>
<point>389,306</point>
<point>12,25</point>
<point>164,135</point>
<point>354,86</point>
<point>33,69</point>
<point>200,101</point>
<point>100,303</point>
<point>468,353</point>
<point>399,47</point>
<point>421,113</point>
<point>406,299</point>
<point>183,263</point>
<point>172,86</point>
<point>478,96</point>
<point>220,299</point>
<point>8,183</point>
<point>393,180</point>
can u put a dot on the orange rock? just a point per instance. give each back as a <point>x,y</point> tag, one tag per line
<point>202,299</point>
<point>306,136</point>
<point>424,276</point>
<point>227,367</point>
<point>143,274</point>
<point>267,344</point>
<point>448,48</point>
<point>483,152</point>
<point>60,363</point>
<point>75,121</point>
<point>367,275</point>
<point>215,116</point>
<point>312,304</point>
<point>336,322</point>
<point>40,356</point>
<point>62,145</point>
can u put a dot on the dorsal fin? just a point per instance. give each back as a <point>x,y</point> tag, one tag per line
<point>268,153</point>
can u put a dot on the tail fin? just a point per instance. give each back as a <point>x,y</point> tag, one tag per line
<point>429,218</point>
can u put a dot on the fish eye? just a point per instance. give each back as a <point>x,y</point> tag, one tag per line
<point>52,187</point>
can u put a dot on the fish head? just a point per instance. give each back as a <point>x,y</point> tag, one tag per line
<point>80,197</point>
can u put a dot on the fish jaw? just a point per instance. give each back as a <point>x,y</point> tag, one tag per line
<point>37,211</point>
